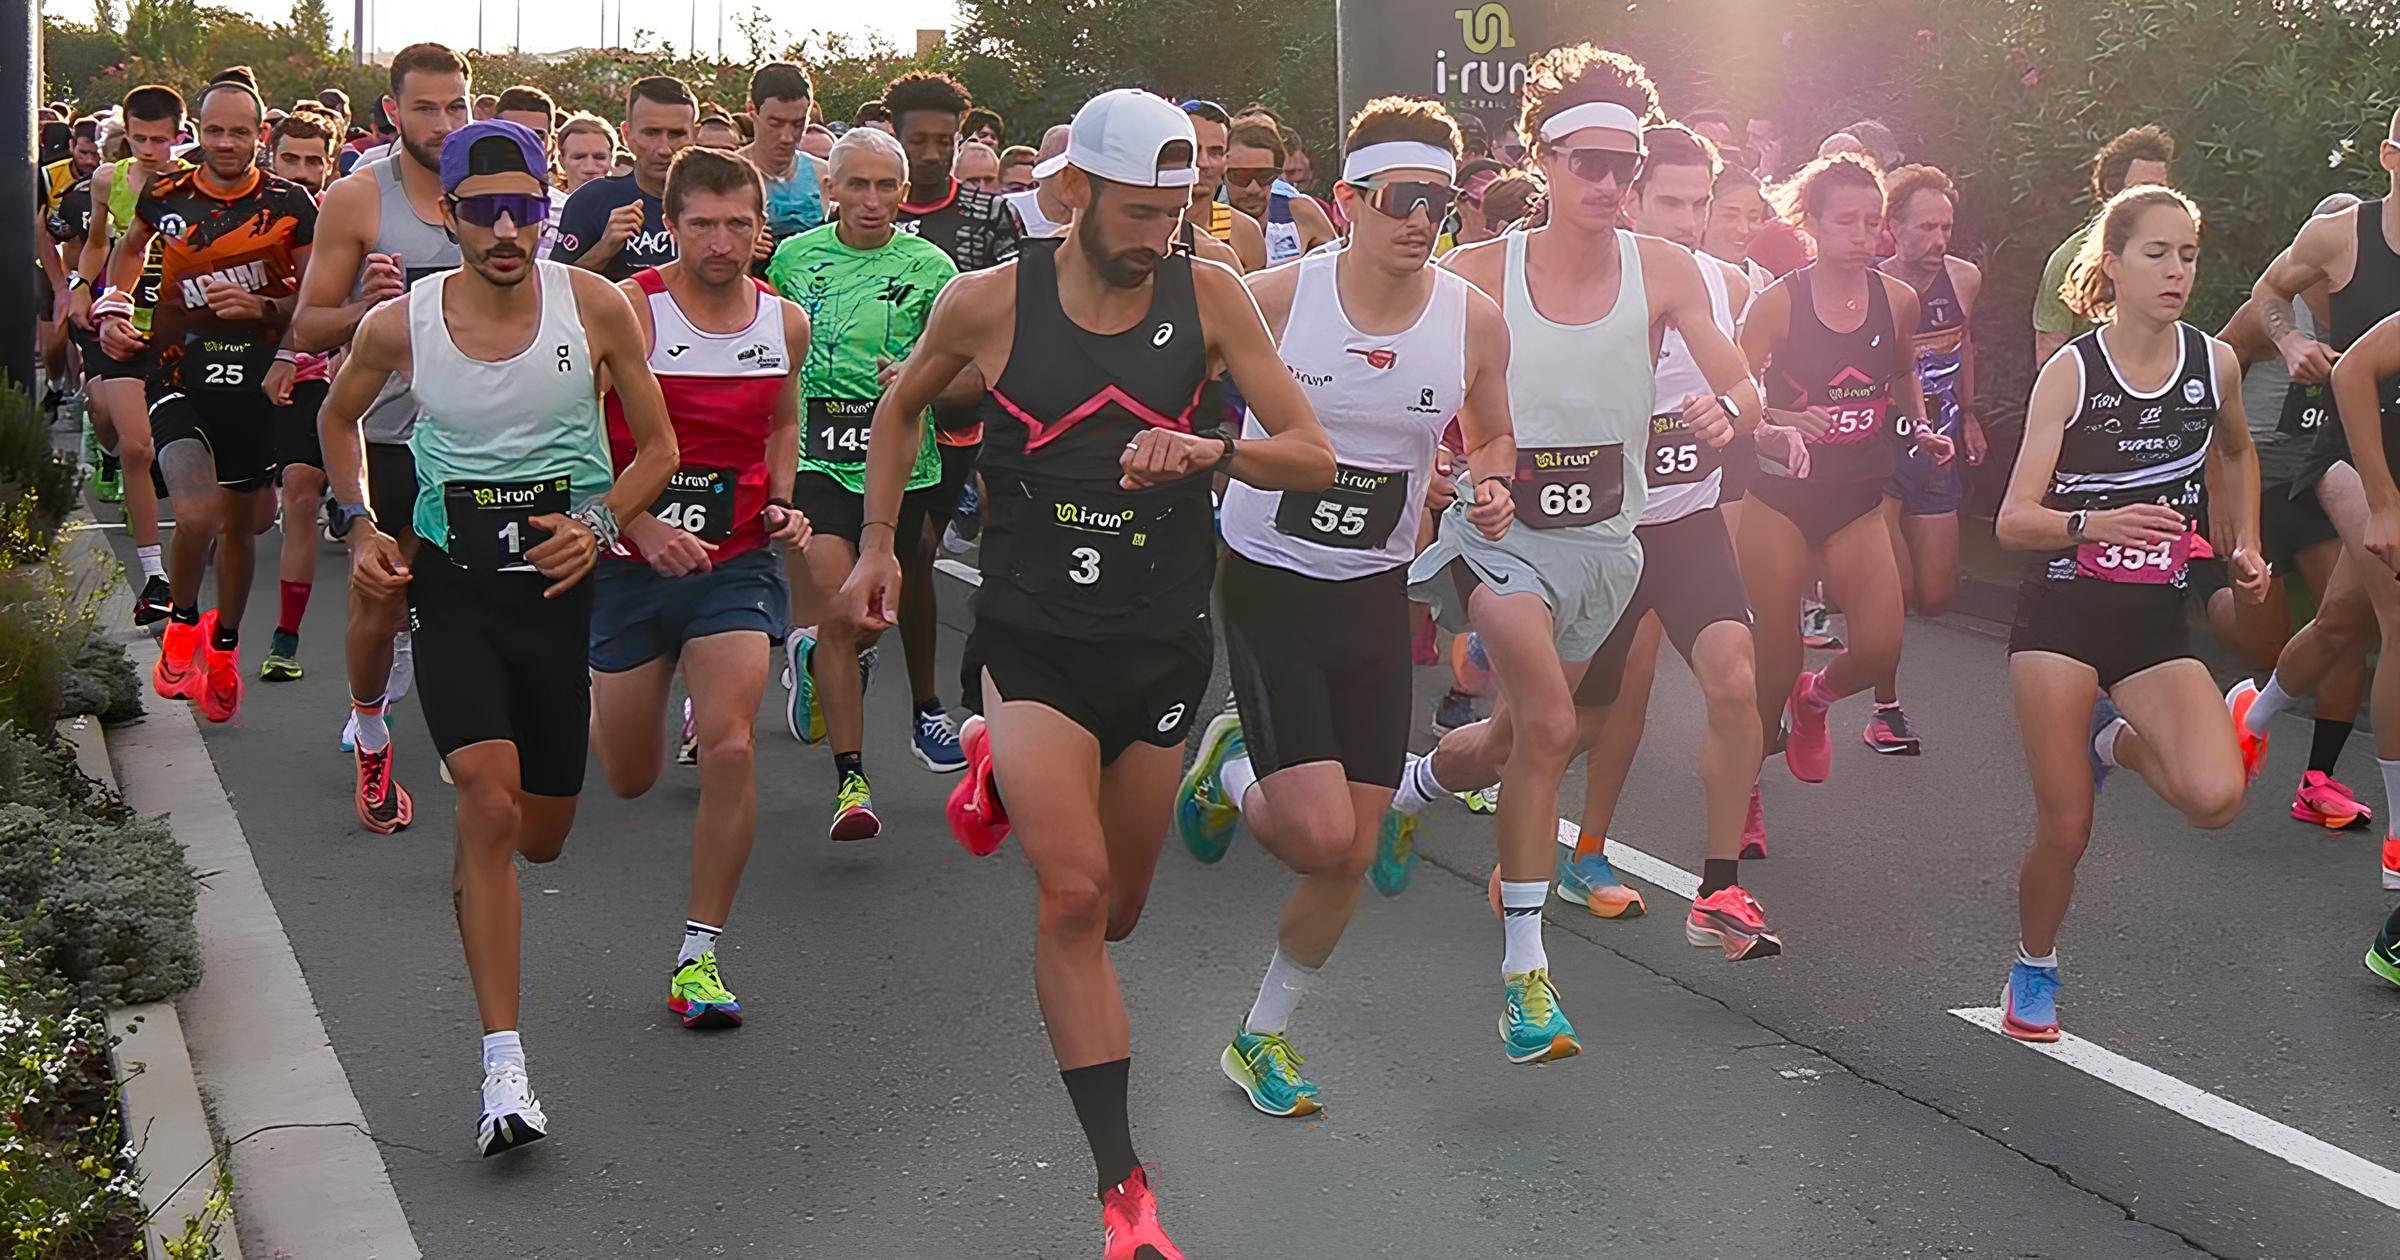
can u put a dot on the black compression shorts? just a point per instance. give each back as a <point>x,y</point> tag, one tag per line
<point>1320,668</point>
<point>1123,691</point>
<point>1690,579</point>
<point>497,661</point>
<point>2119,629</point>
<point>1820,509</point>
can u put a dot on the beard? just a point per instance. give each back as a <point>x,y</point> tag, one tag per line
<point>1125,270</point>
<point>427,156</point>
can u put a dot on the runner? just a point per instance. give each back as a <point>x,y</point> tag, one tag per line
<point>2133,157</point>
<point>1389,350</point>
<point>1092,620</point>
<point>2107,486</point>
<point>587,144</point>
<point>1921,501</point>
<point>977,167</point>
<point>1038,208</point>
<point>1016,176</point>
<point>531,108</point>
<point>976,230</point>
<point>1292,225</point>
<point>1211,125</point>
<point>1854,394</point>
<point>233,242</point>
<point>120,412</point>
<point>1587,305</point>
<point>617,226</point>
<point>780,99</point>
<point>1691,590</point>
<point>301,151</point>
<point>512,505</point>
<point>696,585</point>
<point>382,233</point>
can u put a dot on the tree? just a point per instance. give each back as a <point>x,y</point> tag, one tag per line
<point>169,31</point>
<point>104,16</point>
<point>312,27</point>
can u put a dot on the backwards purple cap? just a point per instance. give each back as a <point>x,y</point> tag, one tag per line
<point>492,147</point>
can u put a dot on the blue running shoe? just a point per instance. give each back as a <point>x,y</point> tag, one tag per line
<point>1532,1027</point>
<point>1455,709</point>
<point>800,712</point>
<point>1395,854</point>
<point>1267,1069</point>
<point>935,742</point>
<point>2104,711</point>
<point>1203,817</point>
<point>1592,883</point>
<point>2029,1010</point>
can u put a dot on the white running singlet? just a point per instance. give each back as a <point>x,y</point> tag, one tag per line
<point>1676,379</point>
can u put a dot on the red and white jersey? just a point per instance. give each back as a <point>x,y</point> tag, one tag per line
<point>721,391</point>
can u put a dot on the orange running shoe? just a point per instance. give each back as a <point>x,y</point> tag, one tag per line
<point>2254,747</point>
<point>977,819</point>
<point>220,675</point>
<point>383,805</point>
<point>177,674</point>
<point>1129,1222</point>
<point>2391,862</point>
<point>1731,920</point>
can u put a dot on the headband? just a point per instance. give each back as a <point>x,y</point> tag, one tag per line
<point>1575,118</point>
<point>1371,160</point>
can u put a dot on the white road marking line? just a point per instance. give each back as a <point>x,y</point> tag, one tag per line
<point>2237,1122</point>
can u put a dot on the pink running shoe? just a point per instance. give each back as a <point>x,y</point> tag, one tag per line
<point>977,819</point>
<point>1754,829</point>
<point>2323,800</point>
<point>1129,1221</point>
<point>1809,749</point>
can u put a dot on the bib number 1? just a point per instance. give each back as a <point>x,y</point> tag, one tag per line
<point>491,522</point>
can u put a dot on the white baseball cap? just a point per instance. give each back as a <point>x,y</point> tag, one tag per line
<point>1118,135</point>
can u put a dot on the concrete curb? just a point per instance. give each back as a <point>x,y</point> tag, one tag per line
<point>309,1181</point>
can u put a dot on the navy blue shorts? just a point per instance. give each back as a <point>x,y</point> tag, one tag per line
<point>1923,487</point>
<point>639,616</point>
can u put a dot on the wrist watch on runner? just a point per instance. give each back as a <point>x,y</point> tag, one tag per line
<point>2075,523</point>
<point>347,514</point>
<point>598,518</point>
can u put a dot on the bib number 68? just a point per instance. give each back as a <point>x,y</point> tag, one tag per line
<point>1558,500</point>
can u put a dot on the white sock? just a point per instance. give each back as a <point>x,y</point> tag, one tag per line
<point>1285,984</point>
<point>1237,777</point>
<point>1418,787</point>
<point>1521,902</point>
<point>2104,744</point>
<point>404,645</point>
<point>374,735</point>
<point>2271,699</point>
<point>2391,793</point>
<point>152,566</point>
<point>698,939</point>
<point>2049,960</point>
<point>503,1048</point>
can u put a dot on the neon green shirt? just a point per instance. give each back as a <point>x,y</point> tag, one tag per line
<point>866,308</point>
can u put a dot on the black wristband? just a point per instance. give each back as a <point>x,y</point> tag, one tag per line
<point>780,502</point>
<point>1225,457</point>
<point>1503,480</point>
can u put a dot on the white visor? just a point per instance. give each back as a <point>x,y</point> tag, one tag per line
<point>1604,114</point>
<point>1371,160</point>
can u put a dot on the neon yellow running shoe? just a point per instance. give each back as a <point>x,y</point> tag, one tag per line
<point>699,997</point>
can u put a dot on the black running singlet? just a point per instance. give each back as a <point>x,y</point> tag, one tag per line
<point>1847,373</point>
<point>1066,550</point>
<point>2372,294</point>
<point>2122,447</point>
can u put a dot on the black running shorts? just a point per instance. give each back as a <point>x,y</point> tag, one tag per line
<point>496,661</point>
<point>2118,628</point>
<point>237,426</point>
<point>837,511</point>
<point>1320,668</point>
<point>392,488</point>
<point>1123,691</point>
<point>296,427</point>
<point>1690,579</point>
<point>1820,509</point>
<point>2290,523</point>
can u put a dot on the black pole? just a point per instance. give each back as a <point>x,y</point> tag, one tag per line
<point>21,70</point>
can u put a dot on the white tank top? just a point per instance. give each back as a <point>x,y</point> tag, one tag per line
<point>1677,378</point>
<point>1385,402</point>
<point>1581,385</point>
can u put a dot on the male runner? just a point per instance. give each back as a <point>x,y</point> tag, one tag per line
<point>2136,155</point>
<point>1092,620</point>
<point>868,288</point>
<point>1691,589</point>
<point>153,118</point>
<point>1390,350</point>
<point>780,97</point>
<point>1254,155</point>
<point>617,226</point>
<point>1588,305</point>
<point>56,179</point>
<point>977,167</point>
<point>234,240</point>
<point>1213,126</point>
<point>1038,208</point>
<point>300,150</point>
<point>976,229</point>
<point>382,234</point>
<point>1921,501</point>
<point>531,108</point>
<point>513,504</point>
<point>697,585</point>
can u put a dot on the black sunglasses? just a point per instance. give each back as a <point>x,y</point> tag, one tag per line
<point>1595,165</point>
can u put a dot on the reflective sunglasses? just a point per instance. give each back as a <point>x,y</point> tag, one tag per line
<point>523,209</point>
<point>1252,176</point>
<point>1400,198</point>
<point>1594,165</point>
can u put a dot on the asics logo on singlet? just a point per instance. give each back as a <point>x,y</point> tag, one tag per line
<point>1168,722</point>
<point>1165,333</point>
<point>250,277</point>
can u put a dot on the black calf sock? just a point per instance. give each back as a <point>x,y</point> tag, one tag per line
<point>849,763</point>
<point>1098,1093</point>
<point>2325,747</point>
<point>184,616</point>
<point>1716,873</point>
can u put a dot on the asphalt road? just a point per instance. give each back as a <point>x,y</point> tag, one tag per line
<point>893,1094</point>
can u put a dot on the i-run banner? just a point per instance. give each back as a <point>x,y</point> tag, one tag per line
<point>1469,55</point>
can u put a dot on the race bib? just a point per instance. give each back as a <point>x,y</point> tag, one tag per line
<point>1856,423</point>
<point>213,361</point>
<point>2307,409</point>
<point>2160,565</point>
<point>838,429</point>
<point>491,522</point>
<point>698,501</point>
<point>1558,487</point>
<point>1677,456</point>
<point>1358,512</point>
<point>1092,544</point>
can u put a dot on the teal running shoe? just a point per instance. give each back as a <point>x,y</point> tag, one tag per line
<point>1203,817</point>
<point>1395,854</point>
<point>1592,883</point>
<point>800,712</point>
<point>1532,1026</point>
<point>1266,1068</point>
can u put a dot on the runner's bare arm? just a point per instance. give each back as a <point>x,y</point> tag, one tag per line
<point>124,269</point>
<point>1249,241</point>
<point>2321,248</point>
<point>328,315</point>
<point>92,260</point>
<point>948,346</point>
<point>619,347</point>
<point>1483,418</point>
<point>1296,454</point>
<point>379,349</point>
<point>1316,228</point>
<point>1214,250</point>
<point>2246,332</point>
<point>1679,298</point>
<point>2023,523</point>
<point>2233,493</point>
<point>2357,400</point>
<point>1908,388</point>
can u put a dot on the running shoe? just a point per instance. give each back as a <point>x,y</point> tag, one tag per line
<point>800,712</point>
<point>935,742</point>
<point>108,480</point>
<point>854,810</point>
<point>699,998</point>
<point>2391,862</point>
<point>280,665</point>
<point>512,1117</point>
<point>1395,854</point>
<point>221,674</point>
<point>1455,709</point>
<point>1816,628</point>
<point>2254,747</point>
<point>383,805</point>
<point>1485,801</point>
<point>1129,1222</point>
<point>2383,957</point>
<point>2325,801</point>
<point>2029,1005</point>
<point>1267,1069</point>
<point>978,821</point>
<point>1203,817</point>
<point>177,674</point>
<point>404,668</point>
<point>2104,711</point>
<point>687,739</point>
<point>1532,1026</point>
<point>154,603</point>
<point>1809,751</point>
<point>1470,667</point>
<point>1754,828</point>
<point>1589,881</point>
<point>1889,733</point>
<point>1731,919</point>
